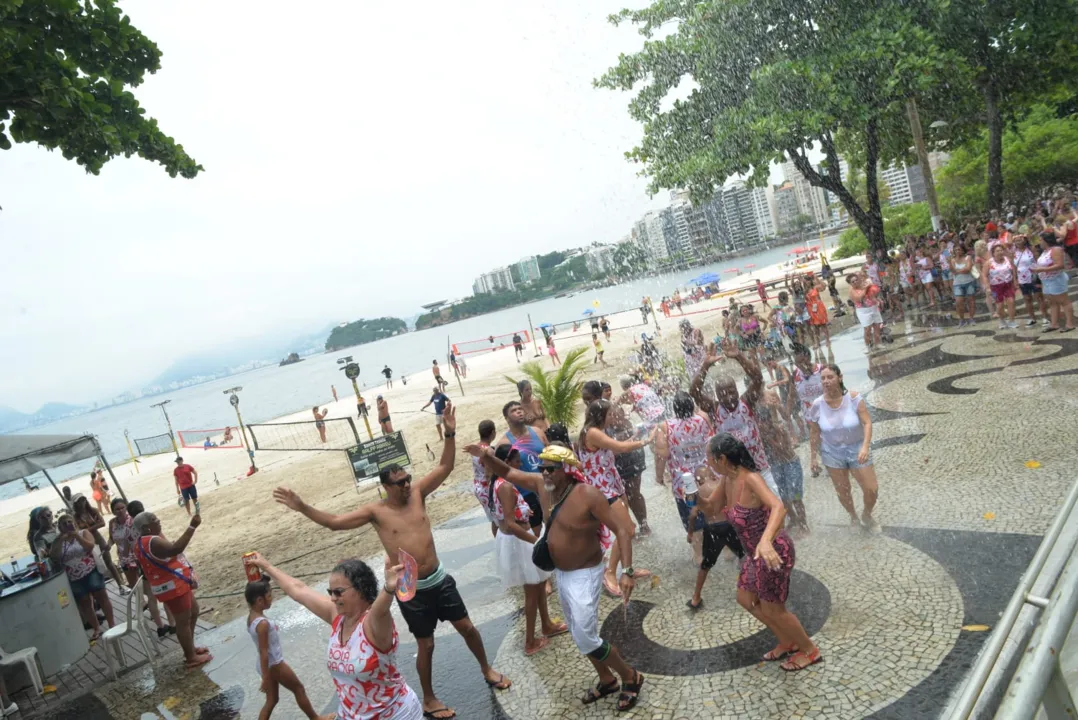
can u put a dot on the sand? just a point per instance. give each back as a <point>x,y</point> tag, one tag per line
<point>239,513</point>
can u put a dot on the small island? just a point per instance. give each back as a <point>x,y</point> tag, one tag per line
<point>364,331</point>
<point>292,359</point>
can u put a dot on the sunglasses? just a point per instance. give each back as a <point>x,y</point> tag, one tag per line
<point>549,469</point>
<point>397,483</point>
<point>337,592</point>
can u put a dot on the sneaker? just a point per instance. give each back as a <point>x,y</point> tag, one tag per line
<point>10,709</point>
<point>1002,325</point>
<point>1012,325</point>
<point>162,631</point>
<point>1030,323</point>
<point>1045,322</point>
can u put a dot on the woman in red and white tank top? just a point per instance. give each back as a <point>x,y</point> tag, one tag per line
<point>596,451</point>
<point>361,654</point>
<point>1003,281</point>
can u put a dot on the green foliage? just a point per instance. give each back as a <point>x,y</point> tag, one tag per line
<point>558,390</point>
<point>548,261</point>
<point>1039,154</point>
<point>65,67</point>
<point>629,259</point>
<point>897,222</point>
<point>364,331</point>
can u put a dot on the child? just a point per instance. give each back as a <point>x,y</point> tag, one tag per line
<point>272,668</point>
<point>598,350</point>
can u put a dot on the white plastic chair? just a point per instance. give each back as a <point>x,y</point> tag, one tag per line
<point>135,624</point>
<point>27,657</point>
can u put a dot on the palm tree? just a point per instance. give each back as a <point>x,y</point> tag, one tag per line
<point>558,390</point>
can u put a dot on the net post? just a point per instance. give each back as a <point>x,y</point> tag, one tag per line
<point>535,340</point>
<point>355,432</point>
<point>254,438</point>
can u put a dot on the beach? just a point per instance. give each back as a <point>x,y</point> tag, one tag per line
<point>239,514</point>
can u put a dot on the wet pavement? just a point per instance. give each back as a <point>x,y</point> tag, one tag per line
<point>958,416</point>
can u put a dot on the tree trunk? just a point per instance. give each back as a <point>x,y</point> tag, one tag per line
<point>872,226</point>
<point>922,159</point>
<point>995,145</point>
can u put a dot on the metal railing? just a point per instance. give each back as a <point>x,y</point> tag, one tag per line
<point>1052,572</point>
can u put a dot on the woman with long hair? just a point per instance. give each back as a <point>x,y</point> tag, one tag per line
<point>534,414</point>
<point>980,263</point>
<point>123,536</point>
<point>757,514</point>
<point>42,531</point>
<point>1028,281</point>
<point>91,520</point>
<point>817,310</point>
<point>362,651</point>
<point>74,551</point>
<point>964,285</point>
<point>841,435</point>
<point>596,453</point>
<point>924,273</point>
<point>1054,282</point>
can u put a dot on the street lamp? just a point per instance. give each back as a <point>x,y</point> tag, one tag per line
<point>171,435</point>
<point>234,401</point>
<point>351,371</point>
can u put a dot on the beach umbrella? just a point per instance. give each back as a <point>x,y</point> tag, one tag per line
<point>814,248</point>
<point>732,270</point>
<point>705,279</point>
<point>589,311</point>
<point>798,251</point>
<point>750,265</point>
<point>545,325</point>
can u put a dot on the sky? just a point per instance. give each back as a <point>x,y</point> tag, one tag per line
<point>360,161</point>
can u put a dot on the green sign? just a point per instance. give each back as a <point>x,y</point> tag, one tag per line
<point>369,458</point>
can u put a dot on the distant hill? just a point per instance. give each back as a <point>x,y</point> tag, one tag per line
<point>12,419</point>
<point>364,331</point>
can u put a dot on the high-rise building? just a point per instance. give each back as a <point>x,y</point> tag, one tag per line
<point>600,259</point>
<point>497,280</point>
<point>741,228</point>
<point>650,228</point>
<point>897,179</point>
<point>527,269</point>
<point>811,200</point>
<point>786,207</point>
<point>763,210</point>
<point>671,234</point>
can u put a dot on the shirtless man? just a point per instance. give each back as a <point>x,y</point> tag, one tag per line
<point>576,555</point>
<point>383,415</point>
<point>402,523</point>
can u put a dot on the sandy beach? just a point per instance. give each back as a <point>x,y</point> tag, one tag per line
<point>240,515</point>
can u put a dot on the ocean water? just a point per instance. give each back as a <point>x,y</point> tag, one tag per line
<point>271,392</point>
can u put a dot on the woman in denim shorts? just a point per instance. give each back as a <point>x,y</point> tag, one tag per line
<point>841,436</point>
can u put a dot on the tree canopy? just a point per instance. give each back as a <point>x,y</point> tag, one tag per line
<point>364,331</point>
<point>65,70</point>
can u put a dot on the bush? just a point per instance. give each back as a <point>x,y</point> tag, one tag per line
<point>898,222</point>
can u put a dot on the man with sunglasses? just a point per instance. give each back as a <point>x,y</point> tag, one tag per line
<point>401,521</point>
<point>577,513</point>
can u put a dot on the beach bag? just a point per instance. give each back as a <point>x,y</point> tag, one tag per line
<point>541,556</point>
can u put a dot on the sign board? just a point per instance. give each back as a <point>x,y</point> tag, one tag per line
<point>369,458</point>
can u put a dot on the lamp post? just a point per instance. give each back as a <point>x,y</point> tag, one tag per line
<point>234,401</point>
<point>351,371</point>
<point>171,435</point>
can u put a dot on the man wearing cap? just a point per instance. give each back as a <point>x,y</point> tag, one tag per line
<point>574,552</point>
<point>186,479</point>
<point>383,416</point>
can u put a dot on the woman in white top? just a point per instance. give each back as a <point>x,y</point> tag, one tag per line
<point>1054,282</point>
<point>924,274</point>
<point>1028,282</point>
<point>1003,281</point>
<point>841,433</point>
<point>361,655</point>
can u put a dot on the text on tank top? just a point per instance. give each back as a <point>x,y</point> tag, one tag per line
<point>601,472</point>
<point>368,684</point>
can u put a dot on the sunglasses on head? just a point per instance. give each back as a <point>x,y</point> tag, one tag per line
<point>337,592</point>
<point>398,483</point>
<point>545,469</point>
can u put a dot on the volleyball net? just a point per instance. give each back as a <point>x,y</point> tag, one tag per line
<point>584,326</point>
<point>216,439</point>
<point>155,444</point>
<point>334,434</point>
<point>491,343</point>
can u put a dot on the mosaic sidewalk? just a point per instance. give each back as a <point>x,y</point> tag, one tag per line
<point>974,449</point>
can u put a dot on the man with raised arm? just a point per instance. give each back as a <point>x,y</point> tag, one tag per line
<point>575,554</point>
<point>402,524</point>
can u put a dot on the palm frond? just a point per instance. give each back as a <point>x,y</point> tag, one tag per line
<point>558,390</point>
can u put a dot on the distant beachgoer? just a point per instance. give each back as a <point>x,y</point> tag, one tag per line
<point>677,300</point>
<point>186,479</point>
<point>598,350</point>
<point>534,414</point>
<point>100,491</point>
<point>227,437</point>
<point>389,377</point>
<point>518,346</point>
<point>604,325</point>
<point>761,290</point>
<point>437,372</point>
<point>438,399</point>
<point>453,363</point>
<point>320,421</point>
<point>552,352</point>
<point>463,367</point>
<point>383,415</point>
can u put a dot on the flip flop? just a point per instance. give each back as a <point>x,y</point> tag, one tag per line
<point>199,660</point>
<point>694,607</point>
<point>559,629</point>
<point>793,664</point>
<point>540,645</point>
<point>502,683</point>
<point>431,714</point>
<point>201,650</point>
<point>612,590</point>
<point>641,574</point>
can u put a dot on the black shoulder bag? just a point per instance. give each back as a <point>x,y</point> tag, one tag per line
<point>541,556</point>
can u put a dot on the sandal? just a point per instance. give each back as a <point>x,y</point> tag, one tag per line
<point>559,629</point>
<point>433,714</point>
<point>612,590</point>
<point>539,645</point>
<point>780,652</point>
<point>799,661</point>
<point>694,607</point>
<point>630,694</point>
<point>599,692</point>
<point>502,683</point>
<point>199,660</point>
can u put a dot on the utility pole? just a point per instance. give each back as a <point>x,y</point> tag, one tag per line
<point>171,435</point>
<point>234,401</point>
<point>922,160</point>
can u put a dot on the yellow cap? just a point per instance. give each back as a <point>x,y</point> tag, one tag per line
<point>557,453</point>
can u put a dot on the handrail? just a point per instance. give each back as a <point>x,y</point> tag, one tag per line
<point>978,676</point>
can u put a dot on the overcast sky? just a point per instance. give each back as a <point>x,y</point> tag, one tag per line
<point>362,158</point>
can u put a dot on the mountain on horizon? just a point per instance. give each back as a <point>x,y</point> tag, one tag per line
<point>12,419</point>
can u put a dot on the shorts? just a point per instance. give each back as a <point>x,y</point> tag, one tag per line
<point>537,509</point>
<point>791,480</point>
<point>1030,289</point>
<point>683,510</point>
<point>946,276</point>
<point>843,457</point>
<point>869,316</point>
<point>383,420</point>
<point>905,284</point>
<point>631,464</point>
<point>1055,285</point>
<point>189,493</point>
<point>181,604</point>
<point>716,537</point>
<point>578,591</point>
<point>1003,292</point>
<point>94,582</point>
<point>965,289</point>
<point>431,606</point>
<point>439,419</point>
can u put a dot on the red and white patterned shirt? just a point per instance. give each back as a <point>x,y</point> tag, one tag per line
<point>647,404</point>
<point>600,471</point>
<point>481,482</point>
<point>687,439</point>
<point>369,687</point>
<point>742,425</point>
<point>78,561</point>
<point>809,387</point>
<point>522,512</point>
<point>125,537</point>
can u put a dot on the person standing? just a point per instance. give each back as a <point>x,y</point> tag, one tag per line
<point>817,310</point>
<point>439,399</point>
<point>320,422</point>
<point>534,414</point>
<point>863,295</point>
<point>692,347</point>
<point>1002,281</point>
<point>481,479</point>
<point>384,421</point>
<point>598,350</point>
<point>402,523</point>
<point>90,520</point>
<point>389,376</point>
<point>122,535</point>
<point>964,285</point>
<point>518,346</point>
<point>761,290</point>
<point>1028,282</point>
<point>604,325</point>
<point>100,491</point>
<point>73,550</point>
<point>841,436</point>
<point>552,351</point>
<point>172,580</point>
<point>530,441</point>
<point>437,372</point>
<point>630,465</point>
<point>186,478</point>
<point>462,366</point>
<point>1054,283</point>
<point>333,389</point>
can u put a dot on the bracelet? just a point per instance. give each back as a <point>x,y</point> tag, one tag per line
<point>452,434</point>
<point>192,528</point>
<point>389,592</point>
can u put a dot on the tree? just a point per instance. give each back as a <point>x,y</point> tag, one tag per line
<point>898,221</point>
<point>773,77</point>
<point>630,258</point>
<point>65,67</point>
<point>1040,154</point>
<point>799,223</point>
<point>558,390</point>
